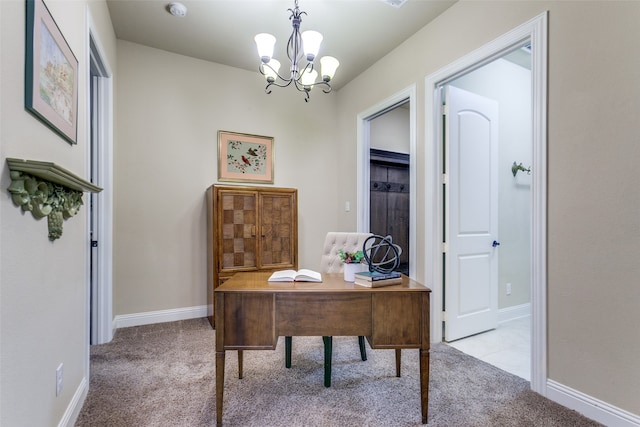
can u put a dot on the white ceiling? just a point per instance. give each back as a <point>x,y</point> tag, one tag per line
<point>357,32</point>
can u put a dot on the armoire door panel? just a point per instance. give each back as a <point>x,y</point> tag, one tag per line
<point>277,213</point>
<point>249,229</point>
<point>238,215</point>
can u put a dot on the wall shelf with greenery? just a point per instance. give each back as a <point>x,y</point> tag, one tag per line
<point>47,190</point>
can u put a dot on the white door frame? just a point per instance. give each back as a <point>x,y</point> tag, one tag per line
<point>534,31</point>
<point>363,164</point>
<point>103,302</point>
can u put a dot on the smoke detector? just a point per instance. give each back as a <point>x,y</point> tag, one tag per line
<point>177,9</point>
<point>395,3</point>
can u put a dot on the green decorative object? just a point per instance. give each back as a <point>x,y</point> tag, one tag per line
<point>515,168</point>
<point>46,189</point>
<point>351,257</point>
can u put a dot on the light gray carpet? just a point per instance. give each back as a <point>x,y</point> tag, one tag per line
<point>164,375</point>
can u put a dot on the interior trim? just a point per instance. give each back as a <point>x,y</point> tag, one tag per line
<point>72,412</point>
<point>514,312</point>
<point>591,407</point>
<point>159,316</point>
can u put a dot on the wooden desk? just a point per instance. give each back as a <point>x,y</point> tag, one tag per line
<point>252,313</point>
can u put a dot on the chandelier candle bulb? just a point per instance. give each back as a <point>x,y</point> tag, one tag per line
<point>265,43</point>
<point>271,70</point>
<point>308,78</point>
<point>328,65</point>
<point>311,44</point>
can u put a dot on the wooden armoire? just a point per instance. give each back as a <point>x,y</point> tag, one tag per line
<point>249,229</point>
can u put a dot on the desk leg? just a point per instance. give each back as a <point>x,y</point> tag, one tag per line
<point>288,342</point>
<point>328,353</point>
<point>240,364</point>
<point>219,385</point>
<point>424,384</point>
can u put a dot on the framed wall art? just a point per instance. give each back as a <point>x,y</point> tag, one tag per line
<point>51,73</point>
<point>245,158</point>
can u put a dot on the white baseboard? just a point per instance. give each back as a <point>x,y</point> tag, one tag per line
<point>160,316</point>
<point>590,407</point>
<point>514,312</point>
<point>70,416</point>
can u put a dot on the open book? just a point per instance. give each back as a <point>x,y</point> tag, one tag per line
<point>301,275</point>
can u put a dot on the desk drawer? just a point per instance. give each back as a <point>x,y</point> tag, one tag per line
<point>248,321</point>
<point>398,320</point>
<point>314,314</point>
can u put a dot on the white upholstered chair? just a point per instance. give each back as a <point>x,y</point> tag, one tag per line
<point>330,263</point>
<point>334,241</point>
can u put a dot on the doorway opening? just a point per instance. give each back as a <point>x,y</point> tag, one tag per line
<point>100,160</point>
<point>389,191</point>
<point>387,172</point>
<point>531,33</point>
<point>487,267</point>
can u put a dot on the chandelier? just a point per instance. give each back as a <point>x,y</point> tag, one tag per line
<point>299,47</point>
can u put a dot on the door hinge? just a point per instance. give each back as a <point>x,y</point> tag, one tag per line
<point>445,178</point>
<point>445,247</point>
<point>445,110</point>
<point>444,316</point>
<point>94,243</point>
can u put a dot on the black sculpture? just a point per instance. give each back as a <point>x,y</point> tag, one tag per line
<point>381,254</point>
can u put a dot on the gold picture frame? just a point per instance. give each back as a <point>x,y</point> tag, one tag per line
<point>51,73</point>
<point>243,157</point>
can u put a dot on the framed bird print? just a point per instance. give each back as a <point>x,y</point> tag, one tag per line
<point>245,158</point>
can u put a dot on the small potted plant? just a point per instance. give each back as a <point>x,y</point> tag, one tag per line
<point>352,263</point>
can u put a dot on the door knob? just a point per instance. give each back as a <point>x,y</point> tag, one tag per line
<point>495,243</point>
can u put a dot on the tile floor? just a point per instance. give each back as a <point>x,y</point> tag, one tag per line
<point>508,347</point>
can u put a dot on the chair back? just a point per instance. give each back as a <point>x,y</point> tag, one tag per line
<point>347,241</point>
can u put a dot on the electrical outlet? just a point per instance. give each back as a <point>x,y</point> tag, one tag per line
<point>59,380</point>
<point>508,288</point>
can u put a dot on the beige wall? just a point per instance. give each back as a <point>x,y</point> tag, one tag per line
<point>594,203</point>
<point>593,200</point>
<point>390,131</point>
<point>169,111</point>
<point>43,297</point>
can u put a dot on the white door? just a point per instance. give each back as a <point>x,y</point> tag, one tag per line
<point>471,195</point>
